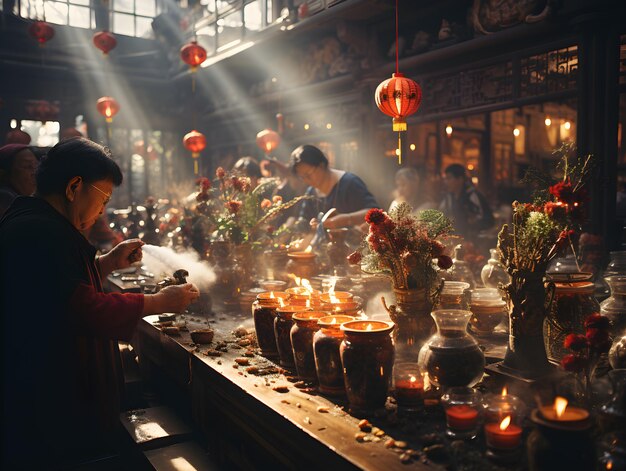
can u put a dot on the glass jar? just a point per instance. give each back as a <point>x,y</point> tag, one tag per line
<point>408,386</point>
<point>282,330</point>
<point>264,313</point>
<point>493,273</point>
<point>612,415</point>
<point>573,303</point>
<point>614,307</point>
<point>617,264</point>
<point>454,295</point>
<point>367,354</point>
<point>617,353</point>
<point>452,357</point>
<point>463,407</point>
<point>488,309</point>
<point>326,342</point>
<point>497,407</point>
<point>302,332</point>
<point>460,270</point>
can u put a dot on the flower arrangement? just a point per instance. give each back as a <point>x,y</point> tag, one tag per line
<point>403,246</point>
<point>587,350</point>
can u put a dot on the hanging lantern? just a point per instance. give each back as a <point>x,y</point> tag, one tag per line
<point>107,107</point>
<point>268,140</point>
<point>41,31</point>
<point>17,136</point>
<point>195,142</point>
<point>398,97</point>
<point>104,41</point>
<point>193,55</point>
<point>303,10</point>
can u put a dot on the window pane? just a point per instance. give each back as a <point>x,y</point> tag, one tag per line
<point>123,5</point>
<point>146,8</point>
<point>31,8</point>
<point>124,24</point>
<point>56,12</point>
<point>79,16</point>
<point>270,14</point>
<point>144,27</point>
<point>252,16</point>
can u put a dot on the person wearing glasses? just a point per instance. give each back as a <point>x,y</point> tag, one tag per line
<point>17,173</point>
<point>333,188</point>
<point>60,359</point>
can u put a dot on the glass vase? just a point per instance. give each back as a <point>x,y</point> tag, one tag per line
<point>452,357</point>
<point>493,273</point>
<point>614,307</point>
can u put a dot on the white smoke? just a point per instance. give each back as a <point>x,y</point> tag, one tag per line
<point>375,309</point>
<point>163,261</point>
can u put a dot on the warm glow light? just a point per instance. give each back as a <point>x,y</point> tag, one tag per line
<point>329,126</point>
<point>505,422</point>
<point>309,249</point>
<point>272,295</point>
<point>426,381</point>
<point>334,321</point>
<point>560,403</point>
<point>281,302</point>
<point>397,151</point>
<point>516,132</point>
<point>306,126</point>
<point>567,125</point>
<point>296,279</point>
<point>308,303</point>
<point>449,130</point>
<point>548,121</point>
<point>307,285</point>
<point>412,147</point>
<point>334,299</point>
<point>413,379</point>
<point>331,288</point>
<point>274,80</point>
<point>470,167</point>
<point>504,391</point>
<point>369,327</point>
<point>609,464</point>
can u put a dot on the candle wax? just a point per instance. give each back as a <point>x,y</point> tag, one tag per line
<point>570,414</point>
<point>408,391</point>
<point>508,438</point>
<point>461,417</point>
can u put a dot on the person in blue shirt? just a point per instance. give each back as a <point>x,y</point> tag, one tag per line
<point>332,188</point>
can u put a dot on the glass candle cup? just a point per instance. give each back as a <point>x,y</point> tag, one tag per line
<point>264,313</point>
<point>488,309</point>
<point>326,342</point>
<point>302,332</point>
<point>282,329</point>
<point>496,407</point>
<point>462,406</point>
<point>408,386</point>
<point>367,354</point>
<point>454,295</point>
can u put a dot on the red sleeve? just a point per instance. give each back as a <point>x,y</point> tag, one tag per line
<point>106,315</point>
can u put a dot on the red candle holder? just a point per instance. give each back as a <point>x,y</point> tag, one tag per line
<point>326,342</point>
<point>367,354</point>
<point>282,330</point>
<point>302,332</point>
<point>462,406</point>
<point>408,387</point>
<point>264,313</point>
<point>503,440</point>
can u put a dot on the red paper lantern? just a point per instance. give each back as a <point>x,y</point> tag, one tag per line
<point>303,10</point>
<point>107,107</point>
<point>104,41</point>
<point>195,142</point>
<point>268,140</point>
<point>41,31</point>
<point>17,136</point>
<point>193,54</point>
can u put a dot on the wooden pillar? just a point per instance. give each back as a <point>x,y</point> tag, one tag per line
<point>598,104</point>
<point>484,164</point>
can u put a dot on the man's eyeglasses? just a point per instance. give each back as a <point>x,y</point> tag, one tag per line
<point>108,195</point>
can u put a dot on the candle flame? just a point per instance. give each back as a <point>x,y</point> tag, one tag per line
<point>369,327</point>
<point>413,379</point>
<point>609,464</point>
<point>272,295</point>
<point>307,285</point>
<point>505,423</point>
<point>560,403</point>
<point>382,371</point>
<point>309,249</point>
<point>331,288</point>
<point>282,303</point>
<point>504,391</point>
<point>308,303</point>
<point>334,321</point>
<point>426,381</point>
<point>296,279</point>
<point>334,299</point>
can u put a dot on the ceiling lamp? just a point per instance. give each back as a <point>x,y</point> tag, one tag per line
<point>195,142</point>
<point>398,97</point>
<point>104,41</point>
<point>41,31</point>
<point>268,140</point>
<point>108,107</point>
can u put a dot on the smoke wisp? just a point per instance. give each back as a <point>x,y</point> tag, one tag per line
<point>163,261</point>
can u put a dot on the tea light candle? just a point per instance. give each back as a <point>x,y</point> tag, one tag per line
<point>408,386</point>
<point>504,435</point>
<point>497,407</point>
<point>336,297</point>
<point>560,412</point>
<point>462,417</point>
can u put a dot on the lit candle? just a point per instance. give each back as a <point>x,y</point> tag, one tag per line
<point>560,412</point>
<point>504,435</point>
<point>326,342</point>
<point>302,332</point>
<point>408,385</point>
<point>461,417</point>
<point>264,313</point>
<point>497,407</point>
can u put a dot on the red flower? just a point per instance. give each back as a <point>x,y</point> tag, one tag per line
<point>576,342</point>
<point>597,321</point>
<point>204,183</point>
<point>555,210</point>
<point>277,199</point>
<point>265,204</point>
<point>375,216</point>
<point>572,363</point>
<point>220,173</point>
<point>355,258</point>
<point>233,206</point>
<point>375,242</point>
<point>444,262</point>
<point>599,339</point>
<point>563,192</point>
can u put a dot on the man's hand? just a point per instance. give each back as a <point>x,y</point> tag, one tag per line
<point>173,298</point>
<point>122,256</point>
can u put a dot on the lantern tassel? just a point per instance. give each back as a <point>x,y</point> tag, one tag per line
<point>195,167</point>
<point>399,147</point>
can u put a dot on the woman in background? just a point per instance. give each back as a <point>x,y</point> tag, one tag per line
<point>411,189</point>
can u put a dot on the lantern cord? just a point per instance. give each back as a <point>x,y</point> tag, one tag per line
<point>397,67</point>
<point>399,147</point>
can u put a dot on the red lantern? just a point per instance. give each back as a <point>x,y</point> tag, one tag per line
<point>41,31</point>
<point>104,41</point>
<point>195,142</point>
<point>398,97</point>
<point>303,10</point>
<point>107,107</point>
<point>17,136</point>
<point>193,54</point>
<point>268,140</point>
